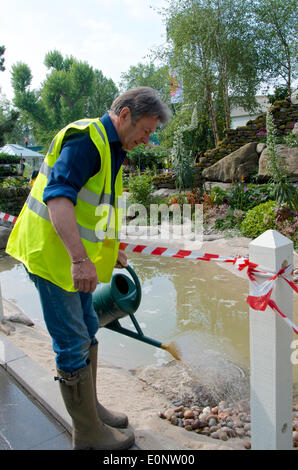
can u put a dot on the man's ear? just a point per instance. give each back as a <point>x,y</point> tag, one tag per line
<point>125,113</point>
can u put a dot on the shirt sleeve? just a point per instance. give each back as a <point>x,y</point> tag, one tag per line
<point>78,161</point>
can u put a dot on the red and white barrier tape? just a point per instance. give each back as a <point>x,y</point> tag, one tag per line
<point>261,292</point>
<point>9,218</point>
<point>260,299</point>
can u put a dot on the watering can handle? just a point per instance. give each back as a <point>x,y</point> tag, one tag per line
<point>135,279</point>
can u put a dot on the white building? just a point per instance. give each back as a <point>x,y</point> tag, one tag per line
<point>33,158</point>
<point>239,116</point>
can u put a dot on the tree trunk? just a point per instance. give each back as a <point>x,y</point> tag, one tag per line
<point>212,113</point>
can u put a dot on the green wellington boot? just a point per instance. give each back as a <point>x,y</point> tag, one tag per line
<point>88,430</point>
<point>112,418</point>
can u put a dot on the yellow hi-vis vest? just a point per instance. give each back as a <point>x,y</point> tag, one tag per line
<point>34,241</point>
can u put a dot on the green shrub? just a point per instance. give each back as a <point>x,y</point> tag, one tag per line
<point>5,158</point>
<point>259,219</point>
<point>148,156</point>
<point>140,188</point>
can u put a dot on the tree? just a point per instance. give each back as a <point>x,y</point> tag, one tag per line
<point>213,51</point>
<point>8,117</point>
<point>147,75</point>
<point>104,93</point>
<point>2,50</point>
<point>275,29</point>
<point>72,90</point>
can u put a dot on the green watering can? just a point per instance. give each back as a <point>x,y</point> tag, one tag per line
<point>121,298</point>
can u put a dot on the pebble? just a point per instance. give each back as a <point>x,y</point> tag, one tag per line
<point>223,421</point>
<point>222,435</point>
<point>179,408</point>
<point>188,414</point>
<point>212,422</point>
<point>174,420</point>
<point>169,413</point>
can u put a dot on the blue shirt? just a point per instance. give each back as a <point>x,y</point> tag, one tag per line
<point>79,160</point>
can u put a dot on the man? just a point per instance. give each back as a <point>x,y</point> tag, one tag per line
<point>67,238</point>
<point>22,167</point>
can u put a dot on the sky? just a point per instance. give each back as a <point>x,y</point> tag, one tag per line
<point>111,35</point>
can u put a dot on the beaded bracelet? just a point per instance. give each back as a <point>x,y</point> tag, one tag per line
<point>78,261</point>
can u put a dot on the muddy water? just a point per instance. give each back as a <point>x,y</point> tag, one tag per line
<point>199,305</point>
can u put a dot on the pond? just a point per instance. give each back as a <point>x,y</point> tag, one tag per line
<point>196,304</point>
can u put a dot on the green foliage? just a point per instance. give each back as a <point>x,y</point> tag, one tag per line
<point>275,26</point>
<point>11,182</point>
<point>259,219</point>
<point>147,75</point>
<point>283,189</point>
<point>8,122</point>
<point>72,90</point>
<point>2,50</point>
<point>183,154</point>
<point>5,158</point>
<point>231,219</point>
<point>280,93</point>
<point>145,156</point>
<point>242,196</point>
<point>140,187</point>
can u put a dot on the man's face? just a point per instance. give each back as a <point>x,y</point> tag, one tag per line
<point>133,134</point>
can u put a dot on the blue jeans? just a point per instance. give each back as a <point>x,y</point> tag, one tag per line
<point>71,321</point>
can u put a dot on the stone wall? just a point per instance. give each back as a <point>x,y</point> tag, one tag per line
<point>13,199</point>
<point>285,115</point>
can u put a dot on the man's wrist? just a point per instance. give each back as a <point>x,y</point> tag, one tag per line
<point>80,260</point>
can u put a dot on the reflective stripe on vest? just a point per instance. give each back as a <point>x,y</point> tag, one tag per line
<point>42,210</point>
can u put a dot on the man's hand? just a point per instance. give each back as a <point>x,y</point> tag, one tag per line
<point>84,276</point>
<point>121,260</point>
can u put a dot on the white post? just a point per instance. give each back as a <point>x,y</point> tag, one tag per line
<point>271,388</point>
<point>1,307</point>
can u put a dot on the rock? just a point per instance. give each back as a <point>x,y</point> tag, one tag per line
<point>162,415</point>
<point>179,408</point>
<point>169,413</point>
<point>290,156</point>
<point>206,410</point>
<point>241,162</point>
<point>196,424</point>
<point>294,97</point>
<point>188,427</point>
<point>174,420</point>
<point>222,435</point>
<point>247,444</point>
<point>189,414</point>
<point>214,410</point>
<point>295,436</point>
<point>260,148</point>
<point>213,429</point>
<point>295,129</point>
<point>212,422</point>
<point>240,432</point>
<point>215,435</point>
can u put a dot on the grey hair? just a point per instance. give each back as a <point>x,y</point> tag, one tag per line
<point>142,101</point>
